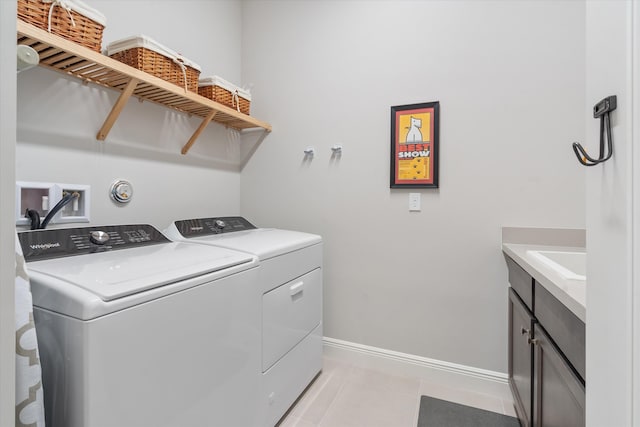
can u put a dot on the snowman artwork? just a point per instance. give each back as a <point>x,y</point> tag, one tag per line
<point>415,135</point>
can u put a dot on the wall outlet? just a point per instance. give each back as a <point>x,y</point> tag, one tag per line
<point>414,202</point>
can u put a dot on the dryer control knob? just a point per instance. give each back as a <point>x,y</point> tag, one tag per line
<point>99,237</point>
<point>220,223</point>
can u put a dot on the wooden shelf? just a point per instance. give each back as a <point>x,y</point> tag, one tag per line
<point>72,59</point>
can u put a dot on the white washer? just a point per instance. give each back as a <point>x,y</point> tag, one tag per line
<point>290,286</point>
<point>135,330</point>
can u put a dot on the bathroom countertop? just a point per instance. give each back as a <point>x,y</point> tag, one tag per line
<point>516,241</point>
<point>571,293</point>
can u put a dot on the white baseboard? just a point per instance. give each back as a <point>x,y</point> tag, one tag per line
<point>402,364</point>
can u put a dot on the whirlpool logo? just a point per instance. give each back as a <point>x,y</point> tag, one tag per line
<point>45,246</point>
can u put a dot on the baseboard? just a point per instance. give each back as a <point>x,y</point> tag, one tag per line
<point>450,374</point>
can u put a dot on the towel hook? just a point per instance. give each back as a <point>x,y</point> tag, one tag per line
<point>602,110</point>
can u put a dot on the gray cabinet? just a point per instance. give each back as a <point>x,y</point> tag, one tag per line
<point>546,355</point>
<point>559,394</point>
<point>567,331</point>
<point>521,357</point>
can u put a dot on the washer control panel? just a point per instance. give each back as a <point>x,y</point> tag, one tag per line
<point>207,226</point>
<point>46,244</point>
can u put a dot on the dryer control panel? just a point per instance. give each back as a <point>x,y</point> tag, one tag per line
<point>206,226</point>
<point>56,243</point>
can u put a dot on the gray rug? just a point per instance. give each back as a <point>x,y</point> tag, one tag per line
<point>441,413</point>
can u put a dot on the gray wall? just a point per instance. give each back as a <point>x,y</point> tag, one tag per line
<point>510,80</point>
<point>58,119</point>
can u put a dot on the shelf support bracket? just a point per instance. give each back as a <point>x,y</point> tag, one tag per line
<point>117,109</point>
<point>254,148</point>
<point>198,131</point>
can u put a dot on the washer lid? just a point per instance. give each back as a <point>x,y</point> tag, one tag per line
<point>264,242</point>
<point>116,274</point>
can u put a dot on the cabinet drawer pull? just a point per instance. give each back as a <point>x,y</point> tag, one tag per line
<point>533,341</point>
<point>296,289</point>
<point>524,331</point>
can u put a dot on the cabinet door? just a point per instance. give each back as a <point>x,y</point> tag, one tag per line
<point>520,357</point>
<point>559,395</point>
<point>567,331</point>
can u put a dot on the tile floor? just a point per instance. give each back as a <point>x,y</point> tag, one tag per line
<point>344,395</point>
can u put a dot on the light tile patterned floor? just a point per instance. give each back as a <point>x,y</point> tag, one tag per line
<point>348,396</point>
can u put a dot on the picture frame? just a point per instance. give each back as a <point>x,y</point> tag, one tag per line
<point>415,148</point>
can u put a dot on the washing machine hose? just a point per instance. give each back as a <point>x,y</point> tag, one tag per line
<point>61,204</point>
<point>34,216</point>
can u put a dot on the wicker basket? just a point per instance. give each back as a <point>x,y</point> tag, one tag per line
<point>89,23</point>
<point>225,93</point>
<point>147,55</point>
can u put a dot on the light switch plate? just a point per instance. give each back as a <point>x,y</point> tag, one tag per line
<point>414,202</point>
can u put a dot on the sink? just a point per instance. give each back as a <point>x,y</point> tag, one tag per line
<point>569,264</point>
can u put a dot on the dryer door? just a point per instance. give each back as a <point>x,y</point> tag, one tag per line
<point>289,313</point>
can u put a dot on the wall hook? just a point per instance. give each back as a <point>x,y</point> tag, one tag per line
<point>309,151</point>
<point>601,110</point>
<point>337,149</point>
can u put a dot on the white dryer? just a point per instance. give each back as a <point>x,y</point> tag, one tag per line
<point>135,330</point>
<point>290,286</point>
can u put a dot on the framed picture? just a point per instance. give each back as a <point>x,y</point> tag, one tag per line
<point>414,145</point>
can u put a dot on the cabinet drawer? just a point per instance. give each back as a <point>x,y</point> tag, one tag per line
<point>289,313</point>
<point>521,282</point>
<point>567,330</point>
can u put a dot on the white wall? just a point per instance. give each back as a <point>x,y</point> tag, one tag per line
<point>7,230</point>
<point>58,119</point>
<point>207,32</point>
<point>510,80</point>
<point>610,292</point>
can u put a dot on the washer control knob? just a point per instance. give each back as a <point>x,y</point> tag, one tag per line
<point>220,224</point>
<point>99,237</point>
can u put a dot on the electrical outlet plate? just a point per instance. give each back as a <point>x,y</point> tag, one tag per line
<point>30,195</point>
